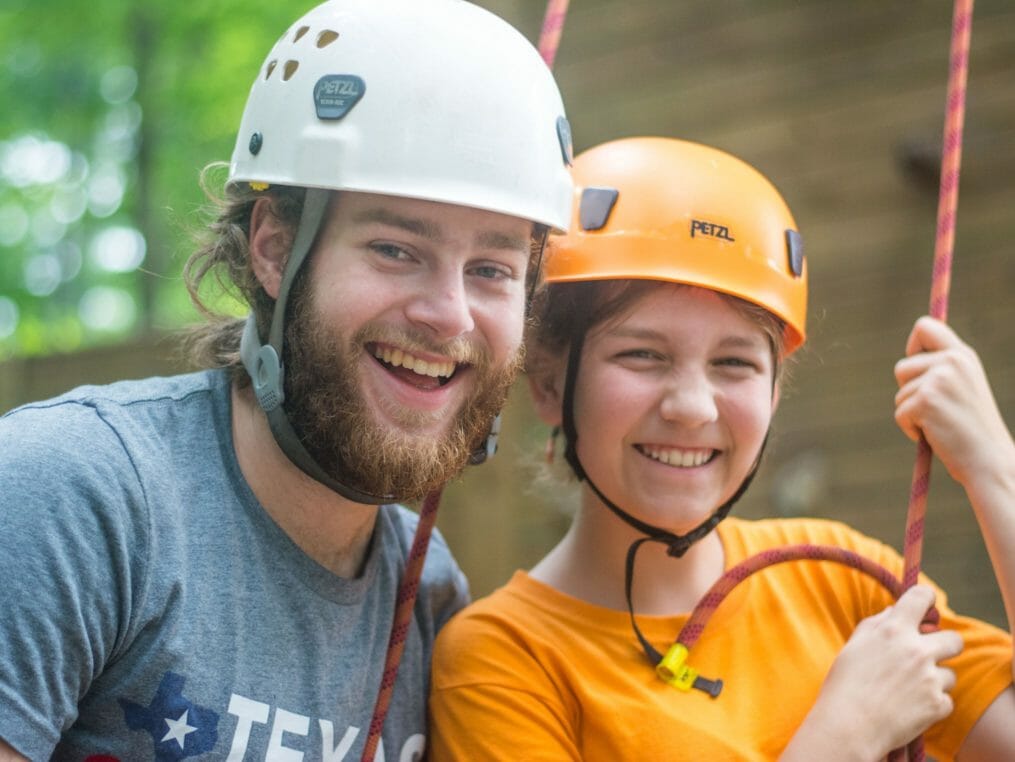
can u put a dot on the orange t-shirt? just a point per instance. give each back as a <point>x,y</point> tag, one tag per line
<point>529,673</point>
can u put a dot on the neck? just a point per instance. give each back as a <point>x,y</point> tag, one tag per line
<point>589,564</point>
<point>334,531</point>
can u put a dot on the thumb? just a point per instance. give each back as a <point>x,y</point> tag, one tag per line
<point>913,604</point>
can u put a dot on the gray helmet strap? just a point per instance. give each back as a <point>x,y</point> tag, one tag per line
<point>264,361</point>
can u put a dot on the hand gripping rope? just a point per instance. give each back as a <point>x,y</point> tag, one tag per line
<point>673,667</point>
<point>405,601</point>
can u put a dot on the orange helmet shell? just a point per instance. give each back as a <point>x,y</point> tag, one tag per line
<point>671,210</point>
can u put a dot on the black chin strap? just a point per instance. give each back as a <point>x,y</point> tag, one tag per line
<point>676,544</point>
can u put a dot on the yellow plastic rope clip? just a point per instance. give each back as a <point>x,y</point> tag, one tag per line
<point>674,670</point>
<point>255,186</point>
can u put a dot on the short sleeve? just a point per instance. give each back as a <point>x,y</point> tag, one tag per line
<point>70,549</point>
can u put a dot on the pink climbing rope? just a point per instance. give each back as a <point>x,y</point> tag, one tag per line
<point>948,198</point>
<point>553,25</point>
<point>693,627</point>
<point>405,602</point>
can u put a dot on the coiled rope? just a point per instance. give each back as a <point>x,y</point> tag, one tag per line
<point>405,602</point>
<point>951,158</point>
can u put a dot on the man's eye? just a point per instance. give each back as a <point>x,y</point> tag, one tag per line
<point>391,251</point>
<point>492,272</point>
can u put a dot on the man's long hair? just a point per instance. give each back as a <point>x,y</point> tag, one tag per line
<point>222,262</point>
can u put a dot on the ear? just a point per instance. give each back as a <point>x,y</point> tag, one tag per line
<point>546,385</point>
<point>269,246</point>
<point>776,396</point>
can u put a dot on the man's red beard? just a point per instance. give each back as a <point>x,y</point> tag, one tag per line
<point>330,415</point>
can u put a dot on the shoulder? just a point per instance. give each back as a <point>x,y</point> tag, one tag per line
<point>764,534</point>
<point>104,415</point>
<point>828,559</point>
<point>84,452</point>
<point>96,407</point>
<point>498,667</point>
<point>491,640</point>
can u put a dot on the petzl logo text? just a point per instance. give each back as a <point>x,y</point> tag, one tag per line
<point>710,229</point>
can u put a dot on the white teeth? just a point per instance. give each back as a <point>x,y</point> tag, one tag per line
<point>681,458</point>
<point>399,358</point>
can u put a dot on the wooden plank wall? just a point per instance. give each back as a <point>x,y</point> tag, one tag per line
<point>840,103</point>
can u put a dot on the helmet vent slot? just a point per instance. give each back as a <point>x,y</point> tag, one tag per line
<point>290,68</point>
<point>300,32</point>
<point>325,38</point>
<point>595,207</point>
<point>269,69</point>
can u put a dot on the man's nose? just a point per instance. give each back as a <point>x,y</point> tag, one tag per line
<point>443,306</point>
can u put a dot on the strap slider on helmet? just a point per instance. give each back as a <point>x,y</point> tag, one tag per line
<point>489,447</point>
<point>263,366</point>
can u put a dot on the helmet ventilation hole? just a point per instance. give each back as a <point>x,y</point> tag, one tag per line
<point>270,68</point>
<point>325,38</point>
<point>300,32</point>
<point>290,68</point>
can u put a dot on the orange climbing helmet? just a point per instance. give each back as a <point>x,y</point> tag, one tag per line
<point>671,210</point>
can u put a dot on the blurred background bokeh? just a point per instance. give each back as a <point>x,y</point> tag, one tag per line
<point>109,110</point>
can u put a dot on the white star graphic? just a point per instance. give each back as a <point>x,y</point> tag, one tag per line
<point>178,729</point>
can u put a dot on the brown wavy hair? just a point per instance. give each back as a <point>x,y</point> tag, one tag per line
<point>562,311</point>
<point>221,264</point>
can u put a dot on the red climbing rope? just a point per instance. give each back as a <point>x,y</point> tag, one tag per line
<point>549,40</point>
<point>951,159</point>
<point>405,602</point>
<point>693,627</point>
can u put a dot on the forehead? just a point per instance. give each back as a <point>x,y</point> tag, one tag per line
<point>670,306</point>
<point>431,220</point>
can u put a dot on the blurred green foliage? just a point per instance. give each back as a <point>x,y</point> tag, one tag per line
<point>110,110</point>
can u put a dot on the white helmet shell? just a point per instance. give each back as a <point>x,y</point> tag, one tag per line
<point>431,99</point>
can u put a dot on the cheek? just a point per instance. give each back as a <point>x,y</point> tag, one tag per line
<point>607,406</point>
<point>502,324</point>
<point>753,417</point>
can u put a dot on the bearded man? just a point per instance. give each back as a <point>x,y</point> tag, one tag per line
<point>208,564</point>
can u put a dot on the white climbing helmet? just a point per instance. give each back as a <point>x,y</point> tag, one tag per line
<point>430,99</point>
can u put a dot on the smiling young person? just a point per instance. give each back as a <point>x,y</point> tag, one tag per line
<point>208,564</point>
<point>669,311</point>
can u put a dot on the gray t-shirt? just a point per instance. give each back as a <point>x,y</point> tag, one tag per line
<point>151,609</point>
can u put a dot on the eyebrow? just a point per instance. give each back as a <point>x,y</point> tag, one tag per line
<point>746,342</point>
<point>494,239</point>
<point>487,239</point>
<point>728,342</point>
<point>414,225</point>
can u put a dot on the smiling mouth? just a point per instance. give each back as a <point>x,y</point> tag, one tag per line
<point>413,370</point>
<point>672,456</point>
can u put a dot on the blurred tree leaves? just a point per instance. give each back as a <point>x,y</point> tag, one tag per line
<point>110,110</point>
